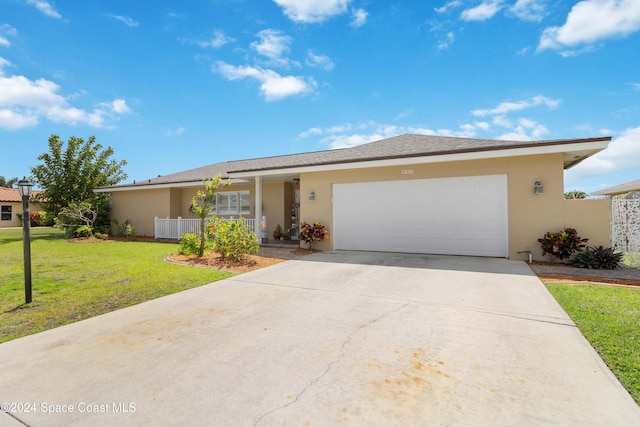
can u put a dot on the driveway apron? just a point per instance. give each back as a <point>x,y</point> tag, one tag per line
<point>335,338</point>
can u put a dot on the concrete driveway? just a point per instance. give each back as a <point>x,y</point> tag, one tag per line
<point>342,338</point>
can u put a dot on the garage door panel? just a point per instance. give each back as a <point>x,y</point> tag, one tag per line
<point>463,215</point>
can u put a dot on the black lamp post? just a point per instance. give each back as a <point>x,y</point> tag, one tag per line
<point>24,187</point>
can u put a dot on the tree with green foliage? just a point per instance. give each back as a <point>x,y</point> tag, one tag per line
<point>68,174</point>
<point>575,194</point>
<point>7,183</point>
<point>203,202</point>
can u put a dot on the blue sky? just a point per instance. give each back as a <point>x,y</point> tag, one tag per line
<point>179,85</point>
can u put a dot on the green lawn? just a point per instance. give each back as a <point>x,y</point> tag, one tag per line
<point>609,317</point>
<point>75,281</point>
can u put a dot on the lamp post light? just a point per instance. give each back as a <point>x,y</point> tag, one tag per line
<point>24,187</point>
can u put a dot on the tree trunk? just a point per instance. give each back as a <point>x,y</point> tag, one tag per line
<point>201,252</point>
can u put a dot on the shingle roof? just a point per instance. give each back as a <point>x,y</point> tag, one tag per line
<point>619,189</point>
<point>397,147</point>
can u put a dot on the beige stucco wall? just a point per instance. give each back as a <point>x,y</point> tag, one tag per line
<point>591,217</point>
<point>530,215</point>
<point>16,208</point>
<point>141,207</point>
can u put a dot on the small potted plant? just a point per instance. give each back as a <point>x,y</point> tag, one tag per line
<point>277,233</point>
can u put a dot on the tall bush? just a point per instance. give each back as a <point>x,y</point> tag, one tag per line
<point>231,239</point>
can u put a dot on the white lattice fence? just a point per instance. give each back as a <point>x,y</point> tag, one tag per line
<point>625,224</point>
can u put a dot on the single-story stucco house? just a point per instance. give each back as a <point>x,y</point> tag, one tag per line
<point>11,206</point>
<point>409,193</point>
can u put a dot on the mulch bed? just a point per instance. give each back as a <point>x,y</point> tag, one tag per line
<point>569,277</point>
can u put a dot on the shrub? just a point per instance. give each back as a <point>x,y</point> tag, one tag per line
<point>83,231</point>
<point>312,233</point>
<point>599,258</point>
<point>101,236</point>
<point>631,259</point>
<point>36,218</point>
<point>189,244</point>
<point>231,239</point>
<point>124,229</point>
<point>562,244</point>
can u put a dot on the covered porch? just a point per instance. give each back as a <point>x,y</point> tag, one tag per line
<point>261,203</point>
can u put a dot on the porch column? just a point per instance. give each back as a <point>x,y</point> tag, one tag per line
<point>258,207</point>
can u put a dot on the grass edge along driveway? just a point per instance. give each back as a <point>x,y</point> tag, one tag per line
<point>608,317</point>
<point>76,281</point>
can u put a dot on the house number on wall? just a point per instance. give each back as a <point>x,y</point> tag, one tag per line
<point>407,171</point>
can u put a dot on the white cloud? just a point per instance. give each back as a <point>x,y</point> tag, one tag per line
<point>529,10</point>
<point>273,44</point>
<point>447,6</point>
<point>525,130</point>
<point>623,154</point>
<point>175,132</point>
<point>590,21</point>
<point>502,120</point>
<point>522,128</point>
<point>349,135</point>
<point>45,7</point>
<point>309,132</point>
<point>485,10</point>
<point>12,120</point>
<point>273,86</point>
<point>312,11</point>
<point>23,102</point>
<point>219,39</point>
<point>359,18</point>
<point>516,129</point>
<point>343,128</point>
<point>447,41</point>
<point>6,30</point>
<point>509,106</point>
<point>129,22</point>
<point>119,106</point>
<point>321,61</point>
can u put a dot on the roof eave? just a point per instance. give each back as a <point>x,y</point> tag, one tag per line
<point>589,146</point>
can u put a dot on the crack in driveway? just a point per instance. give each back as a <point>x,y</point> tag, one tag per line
<point>332,363</point>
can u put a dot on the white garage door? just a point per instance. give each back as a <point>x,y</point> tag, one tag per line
<point>455,216</point>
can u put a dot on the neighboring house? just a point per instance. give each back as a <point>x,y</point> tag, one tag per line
<point>409,193</point>
<point>618,190</point>
<point>11,206</point>
<point>625,215</point>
